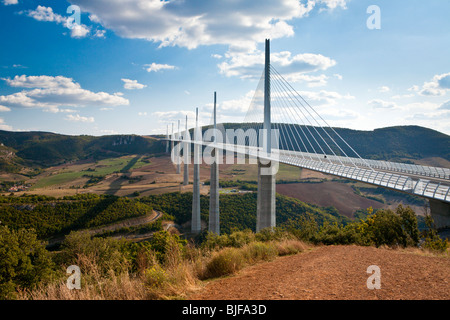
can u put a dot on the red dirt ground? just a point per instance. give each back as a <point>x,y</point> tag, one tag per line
<point>337,273</point>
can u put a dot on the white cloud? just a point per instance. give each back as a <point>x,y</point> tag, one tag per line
<point>403,96</point>
<point>132,84</point>
<point>9,2</point>
<point>191,23</point>
<point>312,81</point>
<point>324,98</point>
<point>250,65</point>
<point>381,104</point>
<point>79,31</point>
<point>445,106</point>
<point>43,82</point>
<point>99,33</point>
<point>438,86</point>
<point>108,131</point>
<point>4,109</point>
<point>384,89</point>
<point>333,4</point>
<point>155,67</point>
<point>169,117</point>
<point>78,118</point>
<point>142,114</point>
<point>51,93</point>
<point>4,126</point>
<point>338,76</point>
<point>42,13</point>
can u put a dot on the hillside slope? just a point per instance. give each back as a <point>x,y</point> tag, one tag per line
<point>48,149</point>
<point>401,143</point>
<point>397,143</point>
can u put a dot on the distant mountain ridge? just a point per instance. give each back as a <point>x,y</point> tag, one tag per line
<point>398,143</point>
<point>18,149</point>
<point>47,149</point>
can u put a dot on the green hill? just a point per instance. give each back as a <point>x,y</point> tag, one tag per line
<point>42,149</point>
<point>46,149</point>
<point>390,143</point>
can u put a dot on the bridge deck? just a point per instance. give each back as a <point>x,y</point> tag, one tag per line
<point>364,170</point>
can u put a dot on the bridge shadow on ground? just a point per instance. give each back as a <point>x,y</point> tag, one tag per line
<point>116,185</point>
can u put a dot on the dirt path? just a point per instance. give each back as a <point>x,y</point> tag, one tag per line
<point>132,222</point>
<point>337,272</point>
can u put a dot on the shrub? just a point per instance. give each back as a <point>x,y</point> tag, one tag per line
<point>24,262</point>
<point>258,251</point>
<point>155,276</point>
<point>432,241</point>
<point>224,262</point>
<point>288,247</point>
<point>106,253</point>
<point>393,228</point>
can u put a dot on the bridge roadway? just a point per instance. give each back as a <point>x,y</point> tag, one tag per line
<point>423,181</point>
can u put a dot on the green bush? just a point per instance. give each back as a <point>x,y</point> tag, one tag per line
<point>386,227</point>
<point>225,262</point>
<point>106,253</point>
<point>24,262</point>
<point>432,241</point>
<point>260,251</point>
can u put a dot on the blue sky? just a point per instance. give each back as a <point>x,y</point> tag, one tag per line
<point>135,66</point>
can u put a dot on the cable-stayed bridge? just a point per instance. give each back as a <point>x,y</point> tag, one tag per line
<point>282,127</point>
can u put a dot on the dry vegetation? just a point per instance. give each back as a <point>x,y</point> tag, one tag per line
<point>176,276</point>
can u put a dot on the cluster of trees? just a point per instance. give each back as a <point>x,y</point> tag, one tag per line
<point>238,212</point>
<point>49,216</point>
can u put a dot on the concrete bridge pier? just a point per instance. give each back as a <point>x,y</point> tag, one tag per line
<point>178,137</point>
<point>214,221</point>
<point>186,156</point>
<point>171,142</point>
<point>266,200</point>
<point>196,221</point>
<point>440,212</point>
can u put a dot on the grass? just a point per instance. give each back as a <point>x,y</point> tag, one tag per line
<point>101,168</point>
<point>245,172</point>
<point>180,273</point>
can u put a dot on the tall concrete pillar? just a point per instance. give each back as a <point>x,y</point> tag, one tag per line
<point>178,137</point>
<point>214,221</point>
<point>196,221</point>
<point>171,142</point>
<point>186,155</point>
<point>440,212</point>
<point>167,139</point>
<point>265,214</point>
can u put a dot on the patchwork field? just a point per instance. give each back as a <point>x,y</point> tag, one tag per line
<point>141,176</point>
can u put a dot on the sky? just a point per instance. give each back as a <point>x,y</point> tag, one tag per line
<point>101,67</point>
